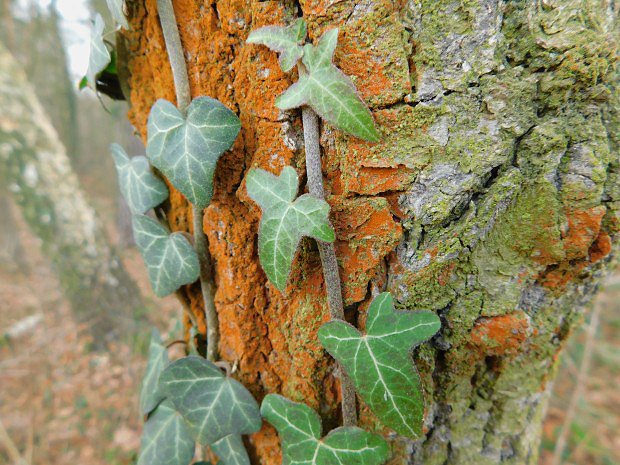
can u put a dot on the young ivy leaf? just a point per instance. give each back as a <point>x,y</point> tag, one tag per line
<point>299,428</point>
<point>99,53</point>
<point>379,363</point>
<point>329,92</point>
<point>285,220</point>
<point>170,259</point>
<point>166,439</point>
<point>285,40</point>
<point>116,10</point>
<point>140,187</point>
<point>186,149</point>
<point>150,394</point>
<point>216,408</point>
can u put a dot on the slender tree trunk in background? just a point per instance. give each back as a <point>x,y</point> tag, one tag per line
<point>493,197</point>
<point>34,164</point>
<point>12,254</point>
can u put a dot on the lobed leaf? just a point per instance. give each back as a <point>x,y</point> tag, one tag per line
<point>140,187</point>
<point>116,10</point>
<point>285,40</point>
<point>213,405</point>
<point>170,259</point>
<point>285,220</point>
<point>166,440</point>
<point>186,148</point>
<point>99,54</point>
<point>379,362</point>
<point>299,428</point>
<point>150,394</point>
<point>231,451</point>
<point>329,92</point>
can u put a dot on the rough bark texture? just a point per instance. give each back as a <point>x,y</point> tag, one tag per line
<point>491,199</point>
<point>36,169</point>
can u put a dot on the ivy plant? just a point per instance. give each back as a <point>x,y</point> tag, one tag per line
<point>286,219</point>
<point>299,428</point>
<point>99,56</point>
<point>116,8</point>
<point>379,362</point>
<point>186,148</point>
<point>321,85</point>
<point>170,259</point>
<point>141,189</point>
<point>166,439</point>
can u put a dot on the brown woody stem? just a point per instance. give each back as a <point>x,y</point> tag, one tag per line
<point>201,243</point>
<point>328,253</point>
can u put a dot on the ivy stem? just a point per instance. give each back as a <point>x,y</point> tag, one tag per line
<point>328,253</point>
<point>201,243</point>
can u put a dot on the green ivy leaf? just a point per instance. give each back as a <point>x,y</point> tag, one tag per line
<point>213,405</point>
<point>285,40</point>
<point>116,10</point>
<point>186,149</point>
<point>379,363</point>
<point>285,220</point>
<point>329,92</point>
<point>140,187</point>
<point>166,439</point>
<point>170,259</point>
<point>231,451</point>
<point>99,54</point>
<point>150,394</point>
<point>299,428</point>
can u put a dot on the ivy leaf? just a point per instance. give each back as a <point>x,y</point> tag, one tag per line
<point>140,187</point>
<point>285,40</point>
<point>170,259</point>
<point>166,440</point>
<point>329,92</point>
<point>285,220</point>
<point>99,54</point>
<point>231,450</point>
<point>299,428</point>
<point>116,10</point>
<point>150,394</point>
<point>213,405</point>
<point>379,363</point>
<point>186,149</point>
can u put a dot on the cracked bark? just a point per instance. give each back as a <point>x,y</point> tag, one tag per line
<point>492,198</point>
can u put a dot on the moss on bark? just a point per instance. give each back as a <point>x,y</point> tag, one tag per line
<point>491,199</point>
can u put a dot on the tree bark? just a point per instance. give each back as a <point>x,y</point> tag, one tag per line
<point>35,167</point>
<point>492,198</point>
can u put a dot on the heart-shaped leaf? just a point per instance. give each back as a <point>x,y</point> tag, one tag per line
<point>329,92</point>
<point>186,149</point>
<point>231,451</point>
<point>116,10</point>
<point>379,363</point>
<point>285,220</point>
<point>166,439</point>
<point>170,259</point>
<point>140,187</point>
<point>285,40</point>
<point>99,54</point>
<point>299,428</point>
<point>214,406</point>
<point>150,394</point>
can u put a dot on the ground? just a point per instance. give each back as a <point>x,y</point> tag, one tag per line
<point>62,403</point>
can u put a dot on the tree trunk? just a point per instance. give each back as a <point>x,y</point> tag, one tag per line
<point>491,199</point>
<point>35,167</point>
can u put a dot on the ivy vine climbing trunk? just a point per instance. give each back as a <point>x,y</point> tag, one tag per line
<point>491,199</point>
<point>36,169</point>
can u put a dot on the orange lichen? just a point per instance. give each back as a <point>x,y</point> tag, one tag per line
<point>500,335</point>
